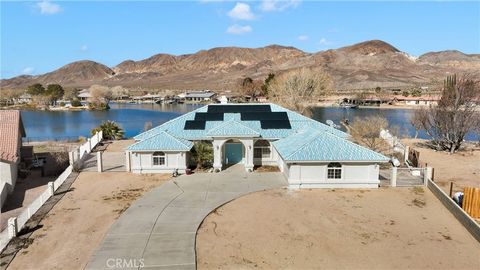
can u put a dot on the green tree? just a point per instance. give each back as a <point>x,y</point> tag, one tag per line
<point>416,93</point>
<point>55,91</point>
<point>36,89</point>
<point>266,84</point>
<point>378,89</point>
<point>202,153</point>
<point>405,93</point>
<point>110,129</point>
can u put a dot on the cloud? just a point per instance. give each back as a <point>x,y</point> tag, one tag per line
<point>241,11</point>
<point>84,48</point>
<point>324,42</point>
<point>28,70</point>
<point>239,29</point>
<point>303,37</point>
<point>48,8</point>
<point>278,5</point>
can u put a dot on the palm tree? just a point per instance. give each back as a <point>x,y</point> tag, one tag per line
<point>202,153</point>
<point>110,129</point>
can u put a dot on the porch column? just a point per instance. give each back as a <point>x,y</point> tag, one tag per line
<point>217,154</point>
<point>248,143</point>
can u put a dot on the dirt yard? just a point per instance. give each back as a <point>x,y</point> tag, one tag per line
<point>402,228</point>
<point>462,168</point>
<point>76,225</point>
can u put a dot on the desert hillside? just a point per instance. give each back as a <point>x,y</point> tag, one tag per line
<point>364,65</point>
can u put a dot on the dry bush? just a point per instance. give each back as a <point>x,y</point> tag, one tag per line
<point>297,89</point>
<point>366,131</point>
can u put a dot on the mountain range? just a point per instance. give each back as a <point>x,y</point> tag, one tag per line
<point>364,65</point>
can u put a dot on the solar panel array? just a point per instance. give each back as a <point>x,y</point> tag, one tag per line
<point>262,113</point>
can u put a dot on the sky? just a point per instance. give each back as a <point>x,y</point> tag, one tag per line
<point>41,36</point>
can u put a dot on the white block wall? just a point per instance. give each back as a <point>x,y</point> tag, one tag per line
<point>141,162</point>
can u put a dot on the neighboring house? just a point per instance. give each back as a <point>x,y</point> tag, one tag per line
<point>423,100</point>
<point>200,96</point>
<point>84,95</point>
<point>307,152</point>
<point>24,98</point>
<point>11,133</point>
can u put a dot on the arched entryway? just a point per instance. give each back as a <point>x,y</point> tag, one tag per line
<point>233,152</point>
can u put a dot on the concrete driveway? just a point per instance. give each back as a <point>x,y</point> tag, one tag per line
<point>158,231</point>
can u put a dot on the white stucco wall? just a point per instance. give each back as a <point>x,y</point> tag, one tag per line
<point>141,162</point>
<point>8,175</point>
<point>314,175</point>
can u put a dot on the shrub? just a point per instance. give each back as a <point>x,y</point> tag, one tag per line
<point>76,103</point>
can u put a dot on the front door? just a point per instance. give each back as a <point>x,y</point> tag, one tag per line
<point>233,153</point>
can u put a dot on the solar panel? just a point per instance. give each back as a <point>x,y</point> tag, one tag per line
<point>194,125</point>
<point>275,124</point>
<point>209,116</point>
<point>255,116</point>
<point>238,108</point>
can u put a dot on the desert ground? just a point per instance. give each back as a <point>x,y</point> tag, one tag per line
<point>402,228</point>
<point>462,168</point>
<point>75,227</point>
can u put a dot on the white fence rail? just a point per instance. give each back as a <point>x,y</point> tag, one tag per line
<point>16,224</point>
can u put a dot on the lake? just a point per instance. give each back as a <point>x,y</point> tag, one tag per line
<point>69,125</point>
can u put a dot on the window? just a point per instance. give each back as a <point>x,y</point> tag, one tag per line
<point>261,149</point>
<point>334,171</point>
<point>158,159</point>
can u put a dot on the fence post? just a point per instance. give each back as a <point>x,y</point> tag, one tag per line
<point>89,145</point>
<point>51,188</point>
<point>71,158</point>
<point>427,174</point>
<point>393,178</point>
<point>99,162</point>
<point>405,154</point>
<point>12,227</point>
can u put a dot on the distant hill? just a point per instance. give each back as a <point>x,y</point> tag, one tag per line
<point>364,65</point>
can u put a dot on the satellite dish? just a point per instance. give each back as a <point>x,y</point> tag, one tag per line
<point>331,124</point>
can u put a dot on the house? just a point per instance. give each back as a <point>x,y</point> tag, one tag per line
<point>200,96</point>
<point>84,95</point>
<point>422,100</point>
<point>25,98</point>
<point>11,133</point>
<point>307,152</point>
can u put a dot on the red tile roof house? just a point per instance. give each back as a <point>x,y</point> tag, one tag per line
<point>11,133</point>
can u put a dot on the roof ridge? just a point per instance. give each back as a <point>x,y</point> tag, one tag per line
<point>356,144</point>
<point>177,139</point>
<point>227,122</point>
<point>303,145</point>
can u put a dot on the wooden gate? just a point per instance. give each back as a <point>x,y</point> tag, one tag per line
<point>471,201</point>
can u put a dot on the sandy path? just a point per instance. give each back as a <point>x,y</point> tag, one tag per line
<point>462,168</point>
<point>399,228</point>
<point>75,227</point>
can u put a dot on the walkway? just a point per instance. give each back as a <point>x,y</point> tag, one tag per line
<point>158,230</point>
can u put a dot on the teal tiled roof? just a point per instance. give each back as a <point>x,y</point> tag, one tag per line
<point>311,145</point>
<point>175,127</point>
<point>162,141</point>
<point>232,128</point>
